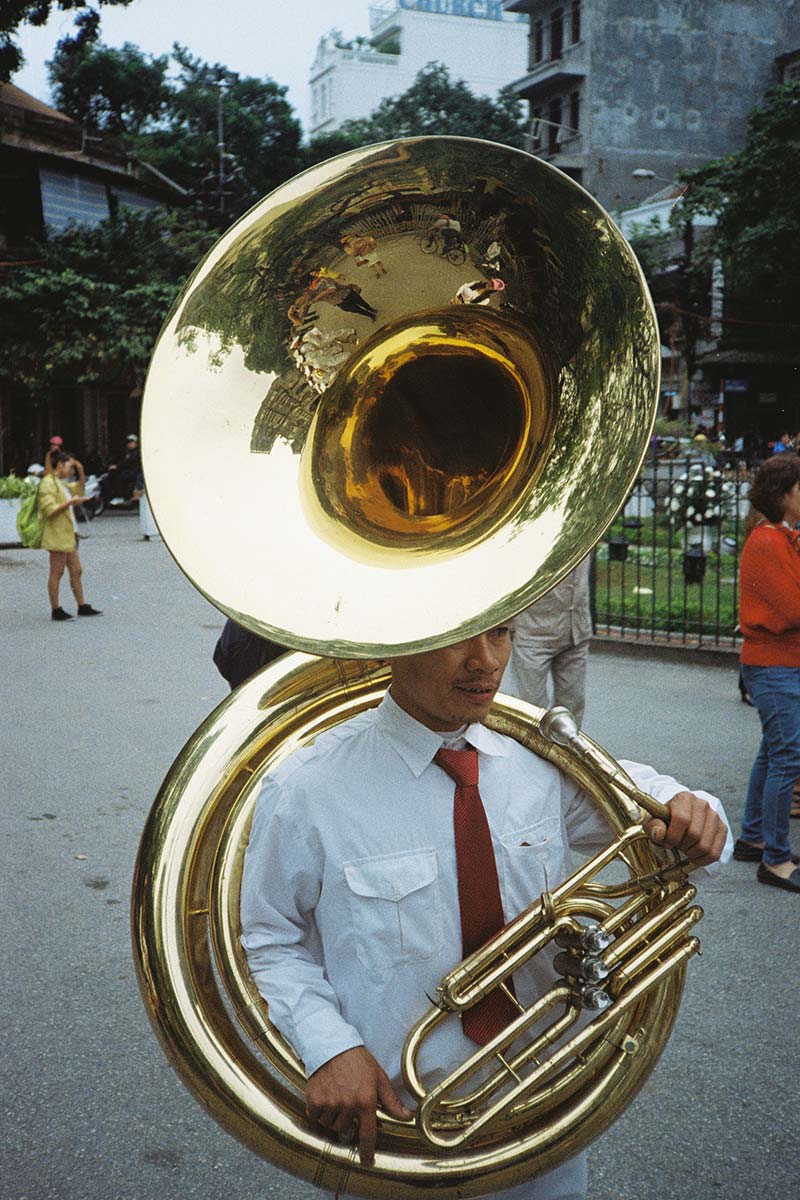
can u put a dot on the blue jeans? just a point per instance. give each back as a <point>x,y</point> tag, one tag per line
<point>775,691</point>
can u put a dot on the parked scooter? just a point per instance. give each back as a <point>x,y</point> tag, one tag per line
<point>93,489</point>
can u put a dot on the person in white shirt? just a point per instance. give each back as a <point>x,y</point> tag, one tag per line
<point>550,644</point>
<point>350,900</point>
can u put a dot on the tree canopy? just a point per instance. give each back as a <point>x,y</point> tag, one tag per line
<point>754,198</point>
<point>434,104</point>
<point>86,306</point>
<point>14,13</point>
<point>167,110</point>
<point>118,92</point>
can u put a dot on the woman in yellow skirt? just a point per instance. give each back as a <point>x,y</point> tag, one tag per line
<point>57,499</point>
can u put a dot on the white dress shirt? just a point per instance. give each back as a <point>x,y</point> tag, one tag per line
<point>349,901</point>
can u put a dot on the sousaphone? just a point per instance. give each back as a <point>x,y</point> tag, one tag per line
<point>351,453</point>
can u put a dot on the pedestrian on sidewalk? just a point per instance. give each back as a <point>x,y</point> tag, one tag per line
<point>550,646</point>
<point>57,500</point>
<point>769,616</point>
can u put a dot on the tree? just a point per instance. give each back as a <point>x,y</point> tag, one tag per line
<point>174,124</point>
<point>86,306</point>
<point>117,92</point>
<point>651,244</point>
<point>434,104</point>
<point>754,198</point>
<point>36,12</point>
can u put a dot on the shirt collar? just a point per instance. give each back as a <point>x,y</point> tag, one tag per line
<point>417,745</point>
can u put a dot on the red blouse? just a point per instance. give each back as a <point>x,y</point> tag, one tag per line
<point>769,597</point>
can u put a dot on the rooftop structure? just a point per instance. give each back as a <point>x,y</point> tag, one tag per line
<point>475,39</point>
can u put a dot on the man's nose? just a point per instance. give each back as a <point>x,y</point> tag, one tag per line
<point>482,654</point>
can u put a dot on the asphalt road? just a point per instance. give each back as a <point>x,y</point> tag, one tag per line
<point>95,711</point>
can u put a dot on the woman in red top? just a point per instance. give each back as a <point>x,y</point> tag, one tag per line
<point>769,616</point>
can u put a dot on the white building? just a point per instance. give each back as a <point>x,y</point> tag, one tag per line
<point>475,39</point>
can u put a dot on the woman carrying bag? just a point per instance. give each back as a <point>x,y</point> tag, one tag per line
<point>57,499</point>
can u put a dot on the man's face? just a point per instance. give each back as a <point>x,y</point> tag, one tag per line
<point>445,689</point>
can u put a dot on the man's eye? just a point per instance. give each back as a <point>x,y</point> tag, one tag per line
<point>501,631</point>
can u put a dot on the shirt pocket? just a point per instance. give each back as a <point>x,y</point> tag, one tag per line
<point>533,862</point>
<point>395,908</point>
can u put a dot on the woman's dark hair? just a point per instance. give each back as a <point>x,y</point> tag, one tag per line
<point>774,479</point>
<point>53,458</point>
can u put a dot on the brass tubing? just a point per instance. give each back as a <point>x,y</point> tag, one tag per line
<point>546,1038</point>
<point>648,925</point>
<point>500,947</point>
<point>624,974</point>
<point>571,1048</point>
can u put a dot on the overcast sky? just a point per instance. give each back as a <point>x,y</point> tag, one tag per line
<point>275,38</point>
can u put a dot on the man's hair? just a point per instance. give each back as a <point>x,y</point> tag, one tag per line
<point>774,480</point>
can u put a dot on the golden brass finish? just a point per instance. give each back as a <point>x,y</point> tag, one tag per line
<point>387,467</point>
<point>321,429</point>
<point>528,1108</point>
<point>352,449</point>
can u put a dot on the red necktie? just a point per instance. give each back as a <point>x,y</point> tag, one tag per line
<point>478,888</point>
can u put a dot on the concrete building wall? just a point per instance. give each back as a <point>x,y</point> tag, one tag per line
<point>663,84</point>
<point>486,51</point>
<point>672,83</point>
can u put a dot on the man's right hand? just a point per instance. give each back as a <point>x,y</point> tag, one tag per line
<point>344,1093</point>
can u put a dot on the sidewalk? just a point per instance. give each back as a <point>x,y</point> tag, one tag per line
<point>94,713</point>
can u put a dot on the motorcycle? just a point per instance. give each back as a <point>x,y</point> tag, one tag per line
<point>95,503</point>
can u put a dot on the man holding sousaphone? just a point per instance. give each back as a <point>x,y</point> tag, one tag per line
<point>365,876</point>
<point>409,905</point>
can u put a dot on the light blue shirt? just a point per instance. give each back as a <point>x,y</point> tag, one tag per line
<point>349,902</point>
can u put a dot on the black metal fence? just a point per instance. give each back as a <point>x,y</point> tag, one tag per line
<point>668,568</point>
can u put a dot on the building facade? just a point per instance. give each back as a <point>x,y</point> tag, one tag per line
<point>54,175</point>
<point>617,86</point>
<point>475,39</point>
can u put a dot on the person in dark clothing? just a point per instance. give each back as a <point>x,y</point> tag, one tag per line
<point>239,653</point>
<point>125,478</point>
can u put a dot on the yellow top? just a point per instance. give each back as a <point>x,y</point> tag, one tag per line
<point>59,531</point>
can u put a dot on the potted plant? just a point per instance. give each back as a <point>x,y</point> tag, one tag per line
<point>13,491</point>
<point>697,504</point>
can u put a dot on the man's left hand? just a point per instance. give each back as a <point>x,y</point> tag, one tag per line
<point>695,829</point>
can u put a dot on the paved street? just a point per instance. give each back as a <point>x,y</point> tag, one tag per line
<point>94,713</point>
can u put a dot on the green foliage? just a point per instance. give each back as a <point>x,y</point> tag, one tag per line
<point>15,13</point>
<point>262,135</point>
<point>753,195</point>
<point>12,487</point>
<point>651,245</point>
<point>167,110</point>
<point>434,104</point>
<point>90,308</point>
<point>113,91</point>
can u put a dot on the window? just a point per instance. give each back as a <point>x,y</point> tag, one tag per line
<point>575,110</point>
<point>575,22</point>
<point>538,42</point>
<point>71,197</point>
<point>555,117</point>
<point>557,33</point>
